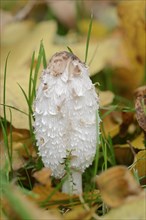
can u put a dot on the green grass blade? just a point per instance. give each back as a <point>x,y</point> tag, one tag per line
<point>11,140</point>
<point>28,177</point>
<point>97,146</point>
<point>33,94</point>
<point>44,56</point>
<point>30,98</point>
<point>4,91</point>
<point>8,164</point>
<point>27,100</point>
<point>56,189</point>
<point>88,38</point>
<point>30,77</point>
<point>104,147</point>
<point>113,108</point>
<point>14,108</point>
<point>69,49</point>
<point>111,149</point>
<point>30,110</point>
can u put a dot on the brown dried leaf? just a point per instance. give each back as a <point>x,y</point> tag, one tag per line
<point>22,147</point>
<point>44,189</point>
<point>117,186</point>
<point>43,176</point>
<point>32,209</point>
<point>127,119</point>
<point>111,123</point>
<point>123,155</point>
<point>55,198</point>
<point>140,106</point>
<point>80,213</point>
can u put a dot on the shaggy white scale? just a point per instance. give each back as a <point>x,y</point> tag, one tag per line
<point>65,118</point>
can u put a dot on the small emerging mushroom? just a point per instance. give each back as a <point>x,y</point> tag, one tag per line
<point>65,119</point>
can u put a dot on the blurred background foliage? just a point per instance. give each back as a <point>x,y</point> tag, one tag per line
<point>116,50</point>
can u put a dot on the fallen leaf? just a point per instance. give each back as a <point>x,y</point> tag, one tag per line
<point>49,197</point>
<point>138,142</point>
<point>133,210</point>
<point>140,166</point>
<point>123,155</point>
<point>140,106</point>
<point>47,194</point>
<point>43,176</point>
<point>80,213</point>
<point>31,210</point>
<point>106,98</point>
<point>110,125</point>
<point>132,23</point>
<point>22,29</point>
<point>99,30</point>
<point>22,46</point>
<point>118,186</point>
<point>127,120</point>
<point>20,145</point>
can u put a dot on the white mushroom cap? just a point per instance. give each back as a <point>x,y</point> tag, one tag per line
<point>65,115</point>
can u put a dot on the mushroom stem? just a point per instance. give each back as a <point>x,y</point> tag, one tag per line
<point>73,183</point>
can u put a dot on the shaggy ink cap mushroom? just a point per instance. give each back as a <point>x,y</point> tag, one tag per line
<point>65,119</point>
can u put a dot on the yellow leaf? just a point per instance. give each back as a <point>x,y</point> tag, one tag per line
<point>140,166</point>
<point>99,30</point>
<point>22,46</point>
<point>106,98</point>
<point>132,16</point>
<point>21,28</point>
<point>132,210</point>
<point>138,142</point>
<point>110,126</point>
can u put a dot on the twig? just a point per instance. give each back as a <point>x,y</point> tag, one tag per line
<point>131,148</point>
